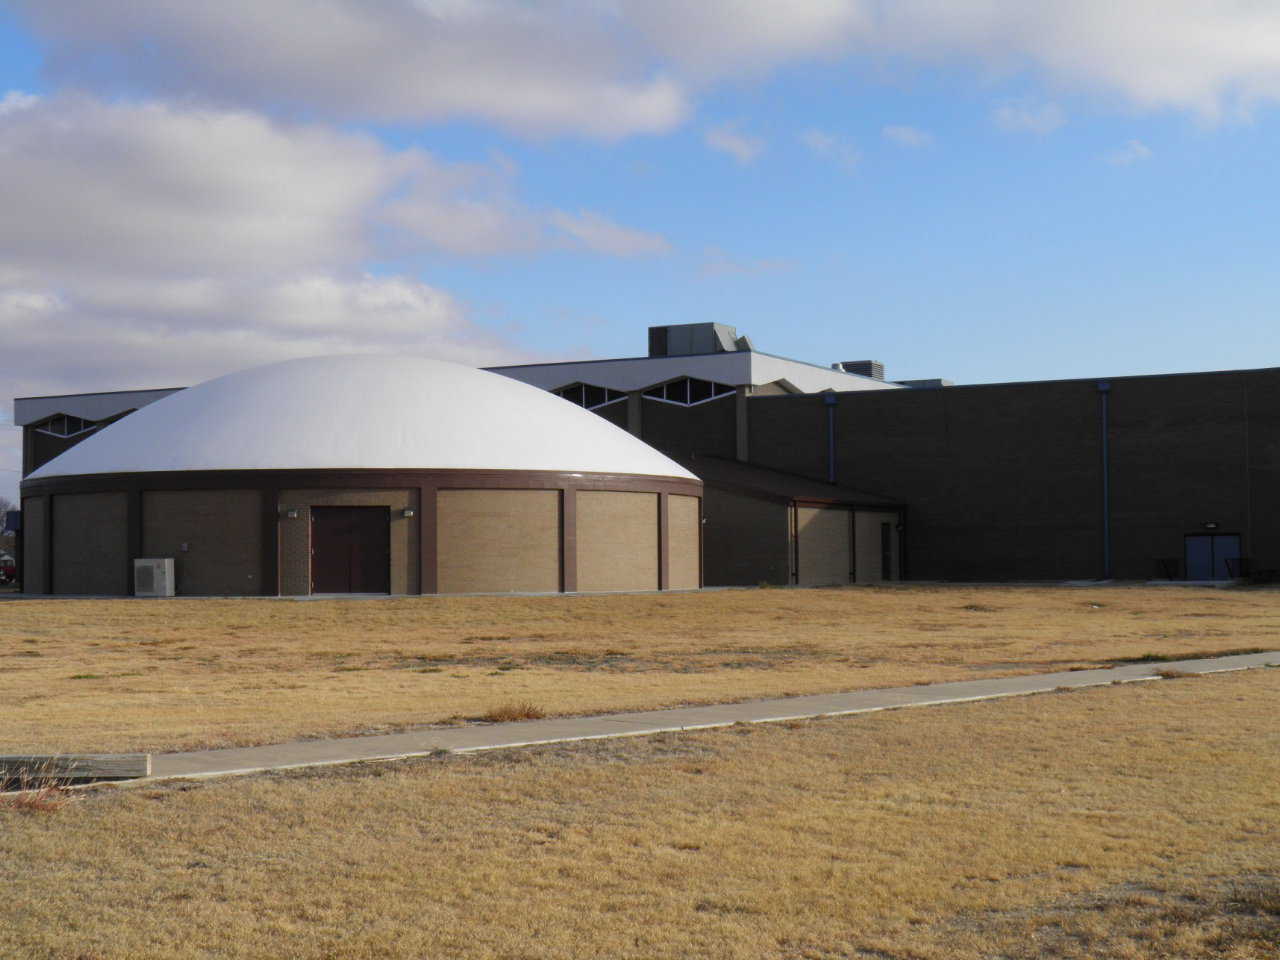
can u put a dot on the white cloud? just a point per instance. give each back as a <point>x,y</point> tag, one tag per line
<point>1028,116</point>
<point>10,459</point>
<point>601,235</point>
<point>905,136</point>
<point>106,193</point>
<point>727,138</point>
<point>103,189</point>
<point>72,341</point>
<point>83,341</point>
<point>463,208</point>
<point>147,245</point>
<point>16,100</point>
<point>832,147</point>
<point>717,37</point>
<point>1208,56</point>
<point>542,68</point>
<point>621,67</point>
<point>1132,152</point>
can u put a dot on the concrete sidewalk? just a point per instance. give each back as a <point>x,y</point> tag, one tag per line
<point>497,736</point>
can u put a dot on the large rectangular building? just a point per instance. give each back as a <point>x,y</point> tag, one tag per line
<point>831,474</point>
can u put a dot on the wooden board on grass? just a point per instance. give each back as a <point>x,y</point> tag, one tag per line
<point>96,766</point>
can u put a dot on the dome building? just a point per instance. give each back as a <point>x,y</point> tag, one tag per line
<point>363,474</point>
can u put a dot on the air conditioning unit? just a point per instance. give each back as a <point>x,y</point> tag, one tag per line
<point>153,577</point>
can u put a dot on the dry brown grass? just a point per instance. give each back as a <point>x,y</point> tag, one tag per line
<point>33,795</point>
<point>1135,822</point>
<point>1215,917</point>
<point>509,712</point>
<point>127,675</point>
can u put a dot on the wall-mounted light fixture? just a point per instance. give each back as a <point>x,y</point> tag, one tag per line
<point>407,512</point>
<point>1210,524</point>
<point>292,513</point>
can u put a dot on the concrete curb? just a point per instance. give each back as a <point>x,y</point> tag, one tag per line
<point>297,755</point>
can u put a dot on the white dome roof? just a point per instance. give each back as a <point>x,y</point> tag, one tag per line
<point>353,412</point>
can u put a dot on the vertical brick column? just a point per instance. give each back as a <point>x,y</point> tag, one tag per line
<point>569,539</point>
<point>428,544</point>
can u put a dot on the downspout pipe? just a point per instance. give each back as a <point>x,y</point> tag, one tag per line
<point>1104,437</point>
<point>830,400</point>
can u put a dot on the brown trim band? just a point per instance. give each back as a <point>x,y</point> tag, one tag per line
<point>364,479</point>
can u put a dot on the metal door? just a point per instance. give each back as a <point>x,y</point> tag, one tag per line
<point>350,550</point>
<point>1212,556</point>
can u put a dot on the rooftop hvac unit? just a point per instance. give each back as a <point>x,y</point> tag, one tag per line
<point>153,577</point>
<point>863,368</point>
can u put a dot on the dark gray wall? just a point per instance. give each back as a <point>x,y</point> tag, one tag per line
<point>222,533</point>
<point>35,553</point>
<point>90,544</point>
<point>745,539</point>
<point>707,428</point>
<point>615,413</point>
<point>1006,482</point>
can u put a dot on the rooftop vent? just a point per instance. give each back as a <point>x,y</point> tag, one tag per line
<point>686,339</point>
<point>863,368</point>
<point>933,383</point>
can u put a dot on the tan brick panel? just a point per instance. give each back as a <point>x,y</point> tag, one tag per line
<point>825,548</point>
<point>617,540</point>
<point>684,520</point>
<point>496,541</point>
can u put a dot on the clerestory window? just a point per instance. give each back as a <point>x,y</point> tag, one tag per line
<point>66,426</point>
<point>589,396</point>
<point>688,391</point>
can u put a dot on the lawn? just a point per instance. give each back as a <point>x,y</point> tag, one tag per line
<point>1138,821</point>
<point>126,674</point>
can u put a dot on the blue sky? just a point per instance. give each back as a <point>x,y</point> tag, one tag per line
<point>982,190</point>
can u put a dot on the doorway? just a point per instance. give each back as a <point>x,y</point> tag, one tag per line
<point>1212,556</point>
<point>350,550</point>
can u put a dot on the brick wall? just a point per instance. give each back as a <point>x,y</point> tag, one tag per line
<point>745,540</point>
<point>617,540</point>
<point>222,533</point>
<point>706,428</point>
<point>684,520</point>
<point>1005,481</point>
<point>90,544</point>
<point>295,534</point>
<point>494,541</point>
<point>35,519</point>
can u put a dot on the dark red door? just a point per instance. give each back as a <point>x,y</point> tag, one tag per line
<point>350,550</point>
